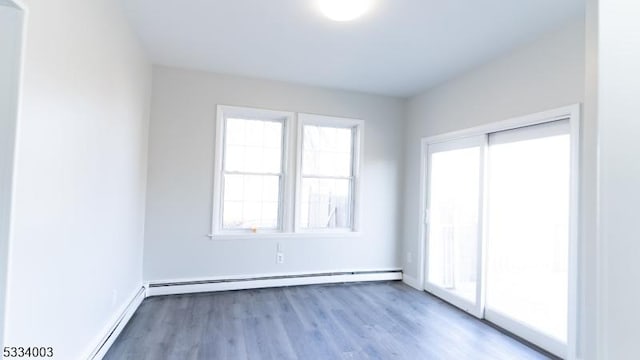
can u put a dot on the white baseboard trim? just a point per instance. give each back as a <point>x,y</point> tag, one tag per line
<point>413,282</point>
<point>116,328</point>
<point>157,288</point>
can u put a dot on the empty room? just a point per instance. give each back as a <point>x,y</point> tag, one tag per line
<point>319,179</point>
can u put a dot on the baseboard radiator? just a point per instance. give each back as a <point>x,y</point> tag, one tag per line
<point>253,282</point>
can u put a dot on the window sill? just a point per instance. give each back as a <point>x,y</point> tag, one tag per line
<point>287,235</point>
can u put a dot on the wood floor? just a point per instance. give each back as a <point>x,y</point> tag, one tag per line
<point>387,320</point>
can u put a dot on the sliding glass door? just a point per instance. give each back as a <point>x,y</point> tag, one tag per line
<point>528,232</point>
<point>454,221</point>
<point>497,228</point>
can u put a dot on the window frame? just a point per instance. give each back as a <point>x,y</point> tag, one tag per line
<point>357,127</point>
<point>225,112</point>
<point>291,176</point>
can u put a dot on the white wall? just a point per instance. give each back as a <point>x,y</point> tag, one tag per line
<point>10,36</point>
<point>588,340</point>
<point>78,212</point>
<point>617,89</point>
<point>179,201</point>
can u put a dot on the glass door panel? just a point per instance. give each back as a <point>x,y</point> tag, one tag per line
<point>454,221</point>
<point>528,232</point>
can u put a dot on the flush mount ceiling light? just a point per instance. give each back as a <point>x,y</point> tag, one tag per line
<point>344,10</point>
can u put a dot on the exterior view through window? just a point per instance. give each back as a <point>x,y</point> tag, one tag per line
<point>327,177</point>
<point>453,230</point>
<point>279,171</point>
<point>528,226</point>
<point>252,173</point>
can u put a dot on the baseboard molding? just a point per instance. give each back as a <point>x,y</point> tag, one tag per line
<point>413,282</point>
<point>116,328</point>
<point>158,288</point>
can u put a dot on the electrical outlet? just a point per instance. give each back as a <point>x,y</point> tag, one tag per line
<point>409,257</point>
<point>279,258</point>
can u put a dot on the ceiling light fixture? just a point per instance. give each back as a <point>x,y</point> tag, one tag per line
<point>344,10</point>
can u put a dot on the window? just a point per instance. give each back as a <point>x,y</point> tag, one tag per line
<point>327,176</point>
<point>264,170</point>
<point>250,170</point>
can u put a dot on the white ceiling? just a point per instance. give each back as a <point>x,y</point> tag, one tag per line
<point>399,48</point>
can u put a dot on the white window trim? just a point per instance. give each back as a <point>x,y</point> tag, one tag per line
<point>336,122</point>
<point>224,112</point>
<point>291,174</point>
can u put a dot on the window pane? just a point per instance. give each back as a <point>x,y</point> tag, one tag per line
<point>326,203</point>
<point>253,146</point>
<point>327,151</point>
<point>453,226</point>
<point>529,185</point>
<point>251,201</point>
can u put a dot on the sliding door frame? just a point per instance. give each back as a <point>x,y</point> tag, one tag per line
<point>571,113</point>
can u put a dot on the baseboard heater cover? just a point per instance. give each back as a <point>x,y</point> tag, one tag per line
<point>180,287</point>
